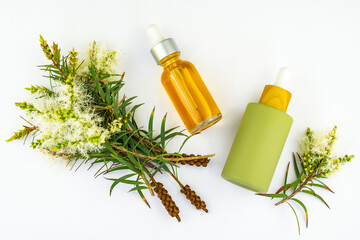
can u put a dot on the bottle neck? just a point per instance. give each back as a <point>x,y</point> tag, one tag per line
<point>169,60</point>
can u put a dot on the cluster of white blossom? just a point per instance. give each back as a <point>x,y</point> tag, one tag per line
<point>66,119</point>
<point>66,122</point>
<point>317,153</point>
<point>103,59</point>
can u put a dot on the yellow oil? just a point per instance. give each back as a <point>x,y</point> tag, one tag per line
<point>189,94</point>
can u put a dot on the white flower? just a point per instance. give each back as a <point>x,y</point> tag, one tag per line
<point>67,122</point>
<point>317,150</point>
<point>104,60</point>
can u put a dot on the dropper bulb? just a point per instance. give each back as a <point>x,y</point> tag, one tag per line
<point>283,77</point>
<point>154,34</point>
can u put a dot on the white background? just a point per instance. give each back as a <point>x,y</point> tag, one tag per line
<point>238,47</point>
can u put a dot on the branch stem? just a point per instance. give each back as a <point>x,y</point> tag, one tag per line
<point>302,185</point>
<point>171,159</point>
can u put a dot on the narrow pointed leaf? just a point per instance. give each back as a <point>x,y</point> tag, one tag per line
<point>287,187</point>
<point>167,132</point>
<point>296,166</point>
<point>117,181</point>
<point>281,195</point>
<point>286,175</point>
<point>133,109</point>
<point>162,132</point>
<point>311,190</point>
<point>305,209</point>
<point>107,145</point>
<point>115,107</point>
<point>151,124</point>
<point>321,186</point>
<point>143,197</point>
<point>316,195</point>
<point>123,180</point>
<point>326,187</point>
<point>126,163</point>
<point>183,143</point>
<point>132,159</point>
<point>297,219</point>
<point>97,81</point>
<point>138,188</point>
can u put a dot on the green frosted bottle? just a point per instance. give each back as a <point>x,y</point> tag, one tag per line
<point>260,138</point>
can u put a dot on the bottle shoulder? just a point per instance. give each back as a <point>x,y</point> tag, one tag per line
<point>187,64</point>
<point>180,64</point>
<point>180,67</point>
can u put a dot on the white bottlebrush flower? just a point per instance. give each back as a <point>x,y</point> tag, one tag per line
<point>67,123</point>
<point>105,61</point>
<point>318,155</point>
<point>115,126</point>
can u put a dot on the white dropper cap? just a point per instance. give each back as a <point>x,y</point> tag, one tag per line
<point>162,47</point>
<point>283,77</point>
<point>154,34</point>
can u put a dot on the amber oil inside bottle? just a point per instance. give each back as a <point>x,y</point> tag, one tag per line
<point>189,94</point>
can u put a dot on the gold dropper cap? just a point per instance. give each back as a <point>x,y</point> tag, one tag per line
<point>275,95</point>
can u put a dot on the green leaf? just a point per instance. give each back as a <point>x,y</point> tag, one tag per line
<point>116,181</point>
<point>138,188</point>
<point>160,166</point>
<point>305,209</point>
<point>115,106</point>
<point>287,186</point>
<point>108,98</point>
<point>167,132</point>
<point>162,132</point>
<point>297,219</point>
<point>323,184</point>
<point>115,89</point>
<point>132,159</point>
<point>80,165</point>
<point>272,195</point>
<point>144,149</point>
<point>151,124</point>
<point>97,81</point>
<point>316,195</point>
<point>113,169</point>
<point>107,145</point>
<point>286,175</point>
<point>295,166</point>
<point>127,102</point>
<point>172,135</point>
<point>136,107</point>
<point>123,179</point>
<point>143,197</point>
<point>126,163</point>
<point>310,189</point>
<point>183,143</point>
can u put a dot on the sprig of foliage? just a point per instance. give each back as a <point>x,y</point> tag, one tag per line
<point>314,163</point>
<point>93,125</point>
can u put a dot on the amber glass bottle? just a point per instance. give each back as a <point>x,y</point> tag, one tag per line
<point>184,85</point>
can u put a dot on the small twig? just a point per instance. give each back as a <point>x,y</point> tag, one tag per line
<point>165,158</point>
<point>35,127</point>
<point>57,65</point>
<point>295,192</point>
<point>176,179</point>
<point>148,185</point>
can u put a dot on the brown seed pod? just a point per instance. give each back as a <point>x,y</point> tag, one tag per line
<point>194,198</point>
<point>198,162</point>
<point>166,200</point>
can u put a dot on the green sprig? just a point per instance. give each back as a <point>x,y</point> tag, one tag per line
<point>136,154</point>
<point>315,163</point>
